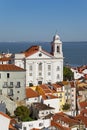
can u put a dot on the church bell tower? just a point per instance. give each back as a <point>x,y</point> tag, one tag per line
<point>56,47</point>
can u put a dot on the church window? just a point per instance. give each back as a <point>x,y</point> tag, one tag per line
<point>40,54</point>
<point>30,67</point>
<point>49,73</point>
<point>30,74</point>
<point>58,68</point>
<point>49,67</point>
<point>58,76</point>
<point>40,74</point>
<point>58,49</point>
<point>40,66</point>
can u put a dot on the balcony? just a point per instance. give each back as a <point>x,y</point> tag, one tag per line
<point>10,86</point>
<point>5,86</point>
<point>10,92</point>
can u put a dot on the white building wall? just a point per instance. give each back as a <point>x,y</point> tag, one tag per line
<point>44,77</point>
<point>36,124</point>
<point>14,76</point>
<point>4,123</point>
<point>29,101</point>
<point>55,103</point>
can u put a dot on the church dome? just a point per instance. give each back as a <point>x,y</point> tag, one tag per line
<point>56,37</point>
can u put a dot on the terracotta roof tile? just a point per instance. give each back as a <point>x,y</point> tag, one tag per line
<point>65,118</point>
<point>5,59</point>
<point>41,106</point>
<point>31,50</point>
<point>30,93</point>
<point>59,126</point>
<point>5,115</point>
<point>83,104</point>
<point>10,67</point>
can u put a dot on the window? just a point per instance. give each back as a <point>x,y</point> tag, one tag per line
<point>30,74</point>
<point>40,54</point>
<point>30,68</point>
<point>58,49</point>
<point>0,91</point>
<point>5,84</point>
<point>46,112</point>
<point>40,66</point>
<point>30,84</point>
<point>72,90</point>
<point>58,76</point>
<point>40,124</point>
<point>40,74</point>
<point>10,92</point>
<point>8,75</point>
<point>58,68</point>
<point>18,84</point>
<point>11,84</point>
<point>42,113</point>
<point>60,95</point>
<point>39,82</point>
<point>49,73</point>
<point>17,98</point>
<point>24,128</point>
<point>49,67</point>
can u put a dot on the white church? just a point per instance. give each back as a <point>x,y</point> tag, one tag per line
<point>42,67</point>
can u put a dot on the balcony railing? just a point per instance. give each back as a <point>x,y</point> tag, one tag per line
<point>17,86</point>
<point>8,86</point>
<point>5,86</point>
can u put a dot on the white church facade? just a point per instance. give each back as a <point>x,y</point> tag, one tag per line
<point>42,67</point>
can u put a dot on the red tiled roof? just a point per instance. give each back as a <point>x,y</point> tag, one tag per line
<point>31,50</point>
<point>45,88</point>
<point>10,67</point>
<point>82,119</point>
<point>65,118</point>
<point>83,104</point>
<point>49,96</point>
<point>84,111</point>
<point>35,129</point>
<point>5,59</point>
<point>55,87</point>
<point>5,115</point>
<point>59,126</point>
<point>31,93</point>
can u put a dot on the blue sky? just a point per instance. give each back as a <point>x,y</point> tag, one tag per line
<point>39,20</point>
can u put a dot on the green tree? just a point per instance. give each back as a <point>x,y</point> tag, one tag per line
<point>66,106</point>
<point>67,74</point>
<point>22,113</point>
